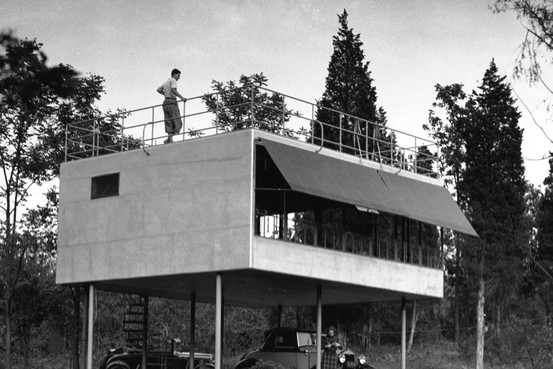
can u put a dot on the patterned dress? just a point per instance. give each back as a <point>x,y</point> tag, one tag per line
<point>329,359</point>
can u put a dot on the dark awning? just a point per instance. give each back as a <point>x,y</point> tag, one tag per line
<point>355,184</point>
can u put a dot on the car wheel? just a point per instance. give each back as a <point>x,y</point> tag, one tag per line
<point>118,364</point>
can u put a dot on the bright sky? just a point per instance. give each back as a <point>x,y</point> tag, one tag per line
<point>411,45</point>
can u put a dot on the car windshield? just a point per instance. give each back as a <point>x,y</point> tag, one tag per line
<point>306,339</point>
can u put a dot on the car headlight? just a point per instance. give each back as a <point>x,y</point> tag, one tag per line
<point>342,358</point>
<point>362,359</point>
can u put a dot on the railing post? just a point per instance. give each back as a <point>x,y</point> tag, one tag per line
<point>392,147</point>
<point>123,133</point>
<point>283,115</point>
<point>94,138</point>
<point>66,143</point>
<point>312,124</point>
<point>367,140</point>
<point>340,133</point>
<point>183,120</point>
<point>437,161</point>
<point>415,164</point>
<point>217,115</point>
<point>251,108</point>
<point>153,120</point>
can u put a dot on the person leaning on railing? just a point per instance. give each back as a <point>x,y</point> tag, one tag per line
<point>171,112</point>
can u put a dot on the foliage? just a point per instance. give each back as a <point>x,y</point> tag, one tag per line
<point>349,88</point>
<point>535,58</point>
<point>481,146</point>
<point>523,341</point>
<point>245,105</point>
<point>29,95</point>
<point>536,17</point>
<point>445,130</point>
<point>541,248</point>
<point>36,104</point>
<point>493,183</point>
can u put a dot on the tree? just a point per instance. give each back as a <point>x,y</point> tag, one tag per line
<point>245,105</point>
<point>536,17</point>
<point>482,146</point>
<point>536,50</point>
<point>29,91</point>
<point>541,254</point>
<point>349,89</point>
<point>445,128</point>
<point>35,103</point>
<point>493,186</point>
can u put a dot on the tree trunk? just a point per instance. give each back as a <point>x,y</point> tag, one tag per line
<point>26,347</point>
<point>365,337</point>
<point>480,324</point>
<point>414,320</point>
<point>457,278</point>
<point>8,351</point>
<point>498,324</point>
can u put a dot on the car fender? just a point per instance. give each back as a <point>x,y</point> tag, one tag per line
<point>118,364</point>
<point>246,363</point>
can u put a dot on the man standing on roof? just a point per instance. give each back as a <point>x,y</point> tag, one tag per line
<point>173,121</point>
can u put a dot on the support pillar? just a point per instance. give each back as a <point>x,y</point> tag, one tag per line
<point>403,333</point>
<point>192,328</point>
<point>145,332</point>
<point>90,320</point>
<point>84,329</point>
<point>319,326</point>
<point>218,320</point>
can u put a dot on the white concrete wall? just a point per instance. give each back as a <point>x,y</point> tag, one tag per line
<point>343,267</point>
<point>186,208</point>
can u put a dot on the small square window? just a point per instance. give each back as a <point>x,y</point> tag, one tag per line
<point>104,186</point>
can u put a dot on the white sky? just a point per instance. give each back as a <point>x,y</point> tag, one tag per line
<point>411,45</point>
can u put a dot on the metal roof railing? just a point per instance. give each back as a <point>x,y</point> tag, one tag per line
<point>144,128</point>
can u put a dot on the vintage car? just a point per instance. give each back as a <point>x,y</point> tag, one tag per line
<point>296,349</point>
<point>131,358</point>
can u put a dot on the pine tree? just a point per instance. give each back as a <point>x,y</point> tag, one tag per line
<point>482,160</point>
<point>349,89</point>
<point>493,186</point>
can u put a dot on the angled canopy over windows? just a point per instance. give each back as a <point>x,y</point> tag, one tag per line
<point>330,178</point>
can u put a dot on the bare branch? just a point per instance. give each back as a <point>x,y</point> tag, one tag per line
<point>532,115</point>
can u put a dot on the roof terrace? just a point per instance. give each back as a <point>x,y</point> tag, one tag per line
<point>143,128</point>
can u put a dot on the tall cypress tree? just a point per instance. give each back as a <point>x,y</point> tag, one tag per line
<point>493,186</point>
<point>349,89</point>
<point>481,143</point>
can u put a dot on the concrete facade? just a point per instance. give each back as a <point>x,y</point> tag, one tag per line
<point>185,212</point>
<point>179,210</point>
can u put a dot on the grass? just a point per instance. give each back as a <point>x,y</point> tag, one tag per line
<point>443,355</point>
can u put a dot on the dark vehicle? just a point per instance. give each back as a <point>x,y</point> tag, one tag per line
<point>131,358</point>
<point>296,349</point>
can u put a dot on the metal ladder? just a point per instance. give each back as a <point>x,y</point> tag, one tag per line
<point>134,321</point>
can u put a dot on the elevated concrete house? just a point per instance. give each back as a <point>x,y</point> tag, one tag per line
<point>257,218</point>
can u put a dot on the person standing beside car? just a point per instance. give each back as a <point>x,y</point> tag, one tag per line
<point>173,121</point>
<point>330,345</point>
